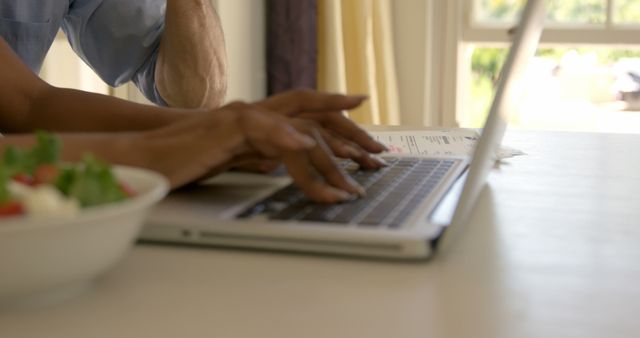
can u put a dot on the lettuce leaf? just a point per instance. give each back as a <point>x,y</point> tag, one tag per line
<point>91,183</point>
<point>4,184</point>
<point>46,151</point>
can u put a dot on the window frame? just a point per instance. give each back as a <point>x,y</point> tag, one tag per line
<point>447,94</point>
<point>608,33</point>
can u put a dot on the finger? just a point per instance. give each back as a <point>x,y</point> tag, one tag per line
<point>339,146</point>
<point>272,134</point>
<point>258,166</point>
<point>302,173</point>
<point>299,101</point>
<point>348,129</point>
<point>317,174</point>
<point>344,148</point>
<point>323,161</point>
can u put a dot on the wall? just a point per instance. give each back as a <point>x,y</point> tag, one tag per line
<point>409,25</point>
<point>427,34</point>
<point>243,22</point>
<point>63,68</point>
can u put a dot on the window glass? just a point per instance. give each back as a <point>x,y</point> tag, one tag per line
<point>627,11</point>
<point>559,11</point>
<point>584,89</point>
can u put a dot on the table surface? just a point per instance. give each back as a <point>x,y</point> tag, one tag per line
<point>553,251</point>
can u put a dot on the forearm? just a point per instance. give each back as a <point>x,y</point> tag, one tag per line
<point>59,109</point>
<point>107,146</point>
<point>27,103</point>
<point>183,152</point>
<point>191,70</point>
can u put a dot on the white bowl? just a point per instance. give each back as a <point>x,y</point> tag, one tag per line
<point>46,260</point>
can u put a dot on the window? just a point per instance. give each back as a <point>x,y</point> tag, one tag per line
<point>586,75</point>
<point>63,68</point>
<point>627,12</point>
<point>558,11</point>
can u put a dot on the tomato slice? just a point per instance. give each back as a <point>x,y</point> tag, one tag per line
<point>11,208</point>
<point>45,174</point>
<point>23,178</point>
<point>127,189</point>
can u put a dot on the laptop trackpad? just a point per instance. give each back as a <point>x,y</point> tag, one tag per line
<point>221,197</point>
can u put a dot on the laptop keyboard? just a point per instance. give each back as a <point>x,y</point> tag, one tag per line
<point>392,193</point>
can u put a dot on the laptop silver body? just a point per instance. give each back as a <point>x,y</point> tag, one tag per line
<point>208,214</point>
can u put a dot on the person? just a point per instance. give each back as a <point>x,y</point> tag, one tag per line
<point>173,50</point>
<point>302,129</point>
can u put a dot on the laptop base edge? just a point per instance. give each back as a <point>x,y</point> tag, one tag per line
<point>418,249</point>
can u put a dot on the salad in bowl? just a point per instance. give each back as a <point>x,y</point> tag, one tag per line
<point>34,182</point>
<point>64,224</point>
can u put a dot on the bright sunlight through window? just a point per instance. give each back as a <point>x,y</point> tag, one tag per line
<point>593,86</point>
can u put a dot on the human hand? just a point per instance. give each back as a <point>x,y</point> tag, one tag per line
<point>258,166</point>
<point>343,136</point>
<point>299,145</point>
<point>211,142</point>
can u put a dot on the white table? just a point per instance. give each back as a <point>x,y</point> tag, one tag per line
<point>554,251</point>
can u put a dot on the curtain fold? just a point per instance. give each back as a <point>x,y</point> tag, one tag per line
<point>355,56</point>
<point>343,46</point>
<point>291,45</point>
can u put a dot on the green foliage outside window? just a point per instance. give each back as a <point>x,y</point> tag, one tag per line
<point>627,11</point>
<point>561,11</point>
<point>486,64</point>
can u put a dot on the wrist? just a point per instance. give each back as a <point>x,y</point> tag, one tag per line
<point>131,149</point>
<point>234,140</point>
<point>192,148</point>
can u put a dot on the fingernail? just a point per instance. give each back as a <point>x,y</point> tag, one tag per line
<point>341,194</point>
<point>380,160</point>
<point>384,147</point>
<point>360,97</point>
<point>359,188</point>
<point>352,152</point>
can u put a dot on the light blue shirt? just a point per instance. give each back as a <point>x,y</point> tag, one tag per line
<point>117,38</point>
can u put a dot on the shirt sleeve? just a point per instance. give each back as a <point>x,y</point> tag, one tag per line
<point>119,40</point>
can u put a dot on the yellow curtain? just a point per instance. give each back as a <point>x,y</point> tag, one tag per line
<point>355,56</point>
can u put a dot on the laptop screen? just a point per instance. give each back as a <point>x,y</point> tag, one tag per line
<point>522,51</point>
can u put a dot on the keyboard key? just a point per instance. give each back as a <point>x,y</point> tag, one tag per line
<point>351,210</point>
<point>376,216</point>
<point>392,192</point>
<point>323,213</point>
<point>253,211</point>
<point>291,213</point>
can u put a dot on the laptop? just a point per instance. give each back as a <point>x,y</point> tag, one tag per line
<point>408,209</point>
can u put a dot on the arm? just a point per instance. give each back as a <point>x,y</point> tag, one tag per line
<point>191,70</point>
<point>28,103</point>
<point>68,110</point>
<point>178,146</point>
<point>184,150</point>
